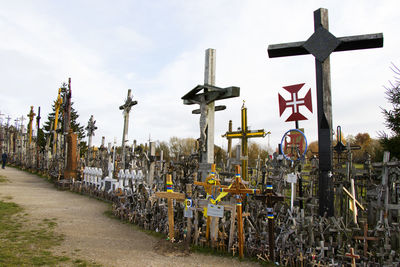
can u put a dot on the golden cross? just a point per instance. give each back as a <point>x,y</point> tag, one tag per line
<point>239,189</point>
<point>57,106</point>
<point>30,115</point>
<point>171,195</point>
<point>244,134</point>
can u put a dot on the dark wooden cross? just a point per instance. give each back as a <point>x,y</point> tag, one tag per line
<point>239,190</point>
<point>366,238</point>
<point>270,197</point>
<point>244,134</point>
<point>321,44</point>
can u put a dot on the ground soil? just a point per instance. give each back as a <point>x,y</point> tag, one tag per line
<point>90,234</point>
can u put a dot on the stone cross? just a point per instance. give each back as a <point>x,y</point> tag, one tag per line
<point>244,134</point>
<point>90,128</point>
<point>126,107</point>
<point>171,195</point>
<point>353,257</point>
<point>30,116</point>
<point>239,190</point>
<point>321,44</point>
<point>206,95</point>
<point>365,238</point>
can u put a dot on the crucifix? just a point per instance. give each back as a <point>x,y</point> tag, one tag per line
<point>205,96</point>
<point>90,128</point>
<point>239,190</point>
<point>244,134</point>
<point>365,238</point>
<point>321,44</point>
<point>30,116</point>
<point>353,257</point>
<point>171,195</point>
<point>126,107</point>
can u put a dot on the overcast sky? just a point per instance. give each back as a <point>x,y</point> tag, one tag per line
<point>157,49</point>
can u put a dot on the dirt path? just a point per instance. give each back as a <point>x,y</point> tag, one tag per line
<point>89,234</point>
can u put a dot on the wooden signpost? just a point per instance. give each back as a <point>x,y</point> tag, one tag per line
<point>171,195</point>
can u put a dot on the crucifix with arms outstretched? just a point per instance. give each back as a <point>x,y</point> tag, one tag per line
<point>321,44</point>
<point>206,95</point>
<point>126,107</point>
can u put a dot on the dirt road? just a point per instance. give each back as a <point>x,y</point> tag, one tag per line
<point>91,235</point>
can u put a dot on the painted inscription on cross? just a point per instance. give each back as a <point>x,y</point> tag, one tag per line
<point>295,102</point>
<point>321,44</point>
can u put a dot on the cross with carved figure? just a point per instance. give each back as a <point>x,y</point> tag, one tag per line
<point>171,195</point>
<point>353,257</point>
<point>244,134</point>
<point>57,106</point>
<point>366,238</point>
<point>30,116</point>
<point>239,190</point>
<point>321,44</point>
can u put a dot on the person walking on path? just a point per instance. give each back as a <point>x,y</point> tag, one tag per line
<point>4,159</point>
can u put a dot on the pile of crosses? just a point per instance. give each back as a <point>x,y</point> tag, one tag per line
<point>326,215</point>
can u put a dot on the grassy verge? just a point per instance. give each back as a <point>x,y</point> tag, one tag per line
<point>27,243</point>
<point>3,179</point>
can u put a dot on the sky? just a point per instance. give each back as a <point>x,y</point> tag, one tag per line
<point>157,49</point>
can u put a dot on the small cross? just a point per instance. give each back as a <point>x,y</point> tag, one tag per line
<point>171,195</point>
<point>239,190</point>
<point>353,257</point>
<point>366,238</point>
<point>322,249</point>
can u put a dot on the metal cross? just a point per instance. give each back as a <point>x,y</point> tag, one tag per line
<point>321,44</point>
<point>244,134</point>
<point>295,102</point>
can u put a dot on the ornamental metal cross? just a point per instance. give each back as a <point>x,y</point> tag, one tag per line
<point>321,44</point>
<point>244,134</point>
<point>126,107</point>
<point>90,128</point>
<point>171,195</point>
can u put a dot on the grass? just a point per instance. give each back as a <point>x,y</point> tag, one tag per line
<point>3,179</point>
<point>29,243</point>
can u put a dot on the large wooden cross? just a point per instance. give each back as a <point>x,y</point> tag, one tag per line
<point>353,201</point>
<point>206,95</point>
<point>31,115</point>
<point>244,134</point>
<point>171,195</point>
<point>321,44</point>
<point>239,190</point>
<point>126,107</point>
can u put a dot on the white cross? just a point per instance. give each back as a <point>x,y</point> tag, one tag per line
<point>295,102</point>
